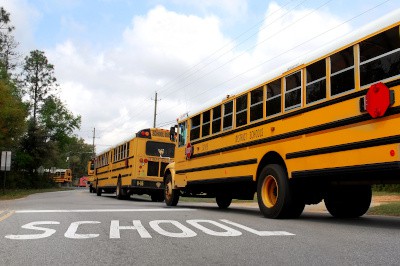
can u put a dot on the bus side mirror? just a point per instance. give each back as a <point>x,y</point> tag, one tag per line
<point>172,133</point>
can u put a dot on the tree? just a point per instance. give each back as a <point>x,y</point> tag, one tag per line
<point>38,80</point>
<point>8,54</point>
<point>12,113</point>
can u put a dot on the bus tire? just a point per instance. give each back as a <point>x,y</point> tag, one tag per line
<point>348,201</point>
<point>120,193</point>
<point>276,197</point>
<point>171,195</point>
<point>98,191</point>
<point>223,200</point>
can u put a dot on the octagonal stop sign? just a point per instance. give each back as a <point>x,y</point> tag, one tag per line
<point>377,100</point>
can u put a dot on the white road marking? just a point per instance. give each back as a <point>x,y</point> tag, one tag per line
<point>185,232</point>
<point>105,210</point>
<point>115,229</point>
<point>71,232</point>
<point>259,233</point>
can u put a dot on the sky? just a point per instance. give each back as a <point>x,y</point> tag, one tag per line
<point>112,56</point>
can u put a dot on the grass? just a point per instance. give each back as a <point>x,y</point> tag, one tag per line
<point>10,194</point>
<point>387,209</point>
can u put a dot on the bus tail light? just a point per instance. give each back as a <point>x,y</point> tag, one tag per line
<point>145,133</point>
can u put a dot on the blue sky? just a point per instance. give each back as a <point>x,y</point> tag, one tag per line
<point>111,56</point>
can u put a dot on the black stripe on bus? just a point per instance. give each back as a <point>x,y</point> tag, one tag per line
<point>232,179</point>
<point>386,171</point>
<point>119,168</point>
<point>218,166</point>
<point>314,129</point>
<point>345,147</point>
<point>103,178</point>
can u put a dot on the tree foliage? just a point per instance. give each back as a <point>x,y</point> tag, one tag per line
<point>12,113</point>
<point>34,123</point>
<point>38,80</point>
<point>8,53</point>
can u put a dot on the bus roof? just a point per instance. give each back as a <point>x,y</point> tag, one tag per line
<point>348,40</point>
<point>126,140</point>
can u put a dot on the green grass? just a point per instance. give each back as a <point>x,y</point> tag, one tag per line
<point>388,209</point>
<point>10,194</point>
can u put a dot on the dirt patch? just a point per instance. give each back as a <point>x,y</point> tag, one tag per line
<point>386,198</point>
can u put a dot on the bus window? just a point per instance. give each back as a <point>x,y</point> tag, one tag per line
<point>316,82</point>
<point>228,111</point>
<point>342,71</point>
<point>380,57</point>
<point>182,134</point>
<point>216,124</point>
<point>195,128</point>
<point>256,104</point>
<point>273,104</point>
<point>241,110</point>
<point>161,149</point>
<point>205,128</point>
<point>293,91</point>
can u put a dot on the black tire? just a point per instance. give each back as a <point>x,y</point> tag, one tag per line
<point>98,191</point>
<point>223,200</point>
<point>277,198</point>
<point>348,201</point>
<point>171,195</point>
<point>157,196</point>
<point>120,193</point>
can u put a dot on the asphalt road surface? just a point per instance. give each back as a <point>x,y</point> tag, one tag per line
<point>79,228</point>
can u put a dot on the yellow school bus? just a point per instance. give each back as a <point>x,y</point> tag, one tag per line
<point>62,176</point>
<point>91,176</point>
<point>135,166</point>
<point>326,129</point>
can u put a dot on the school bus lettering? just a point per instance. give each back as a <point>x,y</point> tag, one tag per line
<point>256,134</point>
<point>241,137</point>
<point>326,129</point>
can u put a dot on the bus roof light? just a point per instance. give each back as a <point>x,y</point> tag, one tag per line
<point>377,100</point>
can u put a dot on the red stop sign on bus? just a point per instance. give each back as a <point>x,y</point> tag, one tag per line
<point>188,150</point>
<point>377,100</point>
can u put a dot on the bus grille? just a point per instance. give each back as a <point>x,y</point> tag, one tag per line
<point>153,168</point>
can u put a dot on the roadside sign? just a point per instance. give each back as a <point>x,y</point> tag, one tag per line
<point>5,161</point>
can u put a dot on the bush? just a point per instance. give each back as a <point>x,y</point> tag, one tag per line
<point>387,188</point>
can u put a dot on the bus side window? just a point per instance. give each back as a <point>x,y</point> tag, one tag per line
<point>182,134</point>
<point>380,57</point>
<point>342,71</point>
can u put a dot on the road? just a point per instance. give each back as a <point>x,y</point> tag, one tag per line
<point>79,228</point>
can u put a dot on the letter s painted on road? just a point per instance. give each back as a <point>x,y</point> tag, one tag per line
<point>32,226</point>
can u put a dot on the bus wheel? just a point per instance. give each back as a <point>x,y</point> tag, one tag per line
<point>348,201</point>
<point>98,191</point>
<point>157,196</point>
<point>223,200</point>
<point>171,195</point>
<point>275,196</point>
<point>121,194</point>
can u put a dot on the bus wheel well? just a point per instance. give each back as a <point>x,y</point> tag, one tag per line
<point>167,172</point>
<point>270,158</point>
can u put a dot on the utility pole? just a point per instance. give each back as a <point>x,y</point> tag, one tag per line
<point>94,136</point>
<point>155,111</point>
